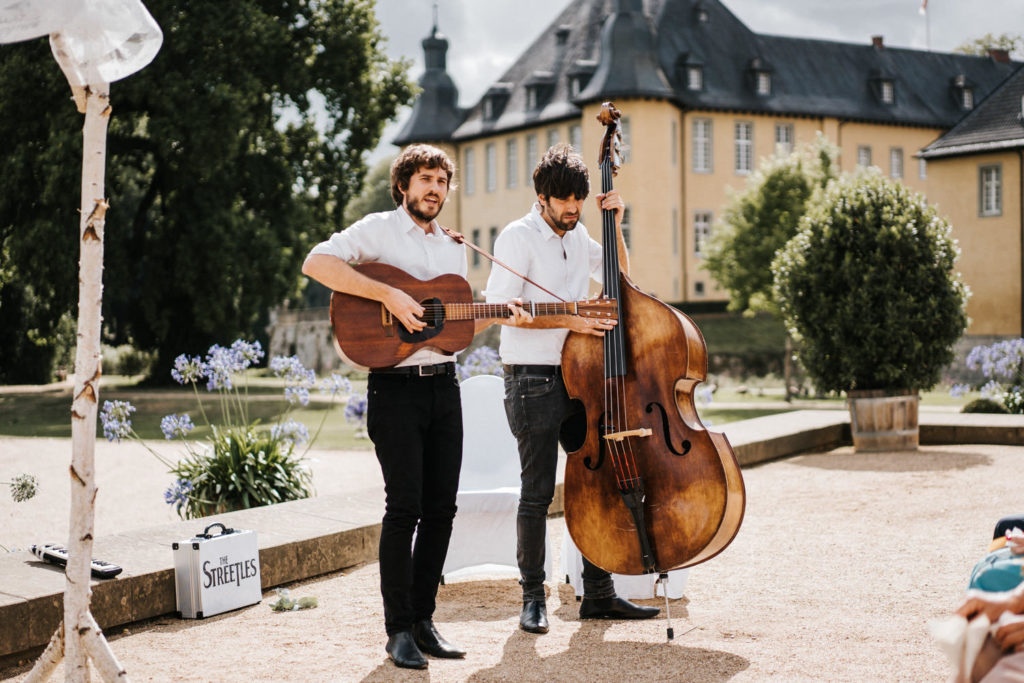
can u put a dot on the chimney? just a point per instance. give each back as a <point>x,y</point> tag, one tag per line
<point>876,42</point>
<point>998,55</point>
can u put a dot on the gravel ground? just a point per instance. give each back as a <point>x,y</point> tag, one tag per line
<point>842,560</point>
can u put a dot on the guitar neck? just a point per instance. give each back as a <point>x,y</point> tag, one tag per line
<point>476,311</point>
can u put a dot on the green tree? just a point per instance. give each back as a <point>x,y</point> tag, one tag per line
<point>1013,44</point>
<point>759,220</point>
<point>868,287</point>
<point>228,156</point>
<point>375,195</point>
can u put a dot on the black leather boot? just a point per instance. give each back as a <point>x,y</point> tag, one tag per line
<point>614,608</point>
<point>431,642</point>
<point>402,649</point>
<point>534,617</point>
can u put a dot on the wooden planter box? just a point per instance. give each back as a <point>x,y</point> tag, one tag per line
<point>883,420</point>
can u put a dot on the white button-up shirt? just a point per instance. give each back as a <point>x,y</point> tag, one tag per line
<point>392,237</point>
<point>563,265</point>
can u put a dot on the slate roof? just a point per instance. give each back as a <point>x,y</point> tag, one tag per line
<point>996,123</point>
<point>809,77</point>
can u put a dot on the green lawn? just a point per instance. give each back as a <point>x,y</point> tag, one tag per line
<point>44,412</point>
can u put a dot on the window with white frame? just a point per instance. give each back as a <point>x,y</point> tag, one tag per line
<point>531,157</point>
<point>783,139</point>
<point>887,92</point>
<point>922,169</point>
<point>967,98</point>
<point>552,137</point>
<point>512,162</point>
<point>491,167</point>
<point>701,231</point>
<point>493,234</point>
<point>702,145</point>
<point>764,83</point>
<point>896,162</point>
<point>694,78</point>
<point>576,137</point>
<point>990,181</point>
<point>468,171</point>
<point>744,142</point>
<point>864,155</point>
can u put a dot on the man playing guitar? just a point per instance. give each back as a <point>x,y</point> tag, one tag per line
<point>414,412</point>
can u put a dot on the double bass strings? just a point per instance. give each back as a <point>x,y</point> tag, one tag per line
<point>621,451</point>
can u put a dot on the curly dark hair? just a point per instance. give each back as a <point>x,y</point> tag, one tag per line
<point>561,173</point>
<point>411,160</point>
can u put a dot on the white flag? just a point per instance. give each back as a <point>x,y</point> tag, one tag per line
<point>109,40</point>
<point>28,19</point>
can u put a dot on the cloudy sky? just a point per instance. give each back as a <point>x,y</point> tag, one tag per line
<point>485,36</point>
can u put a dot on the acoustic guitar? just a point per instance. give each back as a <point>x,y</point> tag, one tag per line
<point>368,336</point>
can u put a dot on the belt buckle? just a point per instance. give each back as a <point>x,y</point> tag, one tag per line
<point>422,368</point>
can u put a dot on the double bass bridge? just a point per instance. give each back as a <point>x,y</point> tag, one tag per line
<point>620,436</point>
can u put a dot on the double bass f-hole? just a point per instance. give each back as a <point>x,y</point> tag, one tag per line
<point>686,445</point>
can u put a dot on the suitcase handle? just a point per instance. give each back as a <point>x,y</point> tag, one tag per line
<point>223,531</point>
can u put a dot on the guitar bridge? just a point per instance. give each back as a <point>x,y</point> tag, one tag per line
<point>387,321</point>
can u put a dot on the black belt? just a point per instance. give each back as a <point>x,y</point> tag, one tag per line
<point>543,370</point>
<point>418,370</point>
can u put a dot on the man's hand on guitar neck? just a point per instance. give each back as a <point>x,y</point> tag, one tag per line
<point>519,317</point>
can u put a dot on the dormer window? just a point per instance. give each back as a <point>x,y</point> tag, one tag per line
<point>694,78</point>
<point>495,100</point>
<point>579,75</point>
<point>886,91</point>
<point>700,13</point>
<point>539,88</point>
<point>967,98</point>
<point>963,92</point>
<point>761,74</point>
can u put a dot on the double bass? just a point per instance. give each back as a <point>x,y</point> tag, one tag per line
<point>650,489</point>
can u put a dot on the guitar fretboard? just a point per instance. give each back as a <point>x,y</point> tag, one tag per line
<point>476,311</point>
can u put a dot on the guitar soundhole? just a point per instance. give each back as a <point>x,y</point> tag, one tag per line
<point>433,316</point>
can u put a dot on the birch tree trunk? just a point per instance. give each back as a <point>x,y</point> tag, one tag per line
<point>77,589</point>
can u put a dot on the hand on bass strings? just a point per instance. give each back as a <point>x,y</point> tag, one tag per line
<point>611,201</point>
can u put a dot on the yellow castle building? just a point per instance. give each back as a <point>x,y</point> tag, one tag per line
<point>704,99</point>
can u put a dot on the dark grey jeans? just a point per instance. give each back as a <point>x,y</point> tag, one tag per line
<point>540,414</point>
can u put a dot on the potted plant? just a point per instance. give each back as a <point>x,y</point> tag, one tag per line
<point>868,289</point>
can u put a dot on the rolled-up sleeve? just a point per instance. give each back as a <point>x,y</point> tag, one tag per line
<point>356,244</point>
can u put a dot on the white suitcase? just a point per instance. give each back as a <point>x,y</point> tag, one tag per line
<point>216,573</point>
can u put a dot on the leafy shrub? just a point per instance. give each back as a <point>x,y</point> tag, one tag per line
<point>984,405</point>
<point>868,290</point>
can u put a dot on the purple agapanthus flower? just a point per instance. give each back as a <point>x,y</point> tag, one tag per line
<point>116,419</point>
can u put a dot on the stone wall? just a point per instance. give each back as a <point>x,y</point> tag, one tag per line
<point>306,334</point>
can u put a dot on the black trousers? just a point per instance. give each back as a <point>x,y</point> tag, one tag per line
<point>415,424</point>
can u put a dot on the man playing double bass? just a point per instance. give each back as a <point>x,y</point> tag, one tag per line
<point>551,247</point>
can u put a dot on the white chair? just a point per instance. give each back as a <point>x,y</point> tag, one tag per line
<point>640,587</point>
<point>484,532</point>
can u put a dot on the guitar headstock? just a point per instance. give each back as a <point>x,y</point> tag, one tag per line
<point>611,142</point>
<point>601,307</point>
